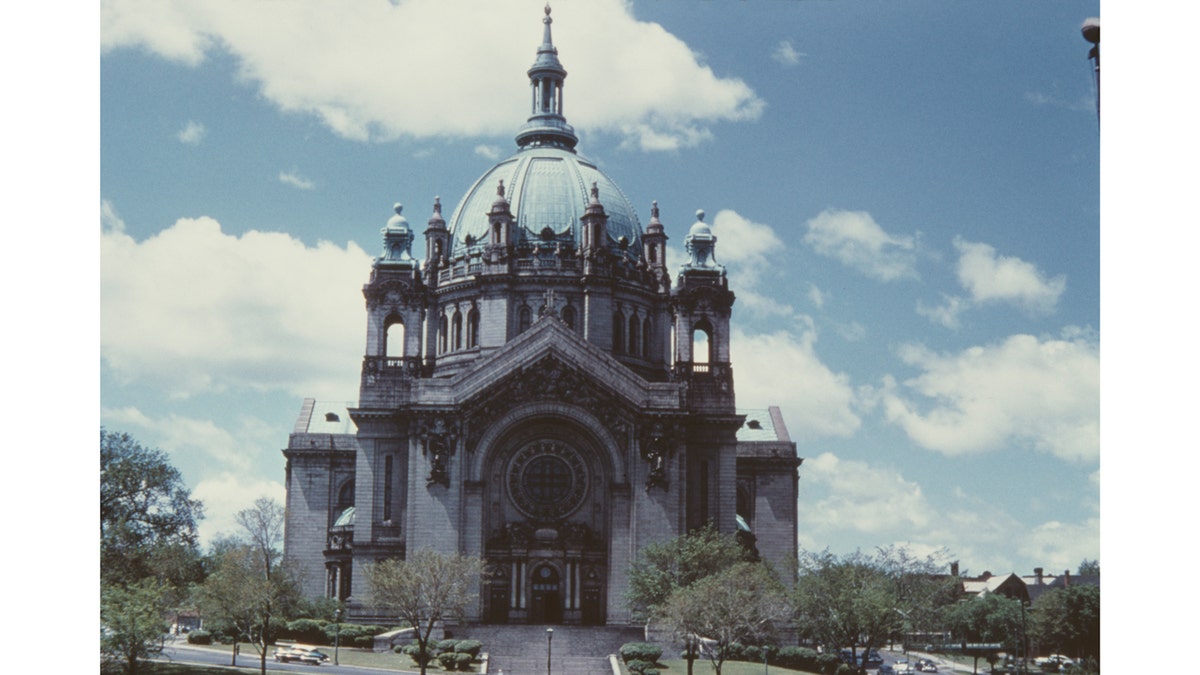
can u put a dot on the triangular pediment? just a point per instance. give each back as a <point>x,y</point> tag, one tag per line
<point>550,361</point>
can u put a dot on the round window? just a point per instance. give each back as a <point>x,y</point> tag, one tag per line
<point>547,480</point>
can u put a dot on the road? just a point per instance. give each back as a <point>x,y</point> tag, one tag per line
<point>185,653</point>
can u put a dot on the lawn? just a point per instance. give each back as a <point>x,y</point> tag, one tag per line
<point>347,656</point>
<point>704,667</point>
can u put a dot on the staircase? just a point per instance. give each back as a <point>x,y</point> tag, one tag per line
<point>574,650</point>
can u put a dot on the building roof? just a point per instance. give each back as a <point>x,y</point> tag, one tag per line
<point>325,417</point>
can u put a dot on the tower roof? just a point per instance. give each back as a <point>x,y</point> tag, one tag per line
<point>547,183</point>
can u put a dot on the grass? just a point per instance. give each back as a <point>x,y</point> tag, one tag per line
<point>704,667</point>
<point>347,656</point>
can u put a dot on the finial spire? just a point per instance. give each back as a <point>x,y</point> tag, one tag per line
<point>547,126</point>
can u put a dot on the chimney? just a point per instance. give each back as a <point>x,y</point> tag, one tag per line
<point>954,568</point>
<point>1066,578</point>
<point>1037,572</point>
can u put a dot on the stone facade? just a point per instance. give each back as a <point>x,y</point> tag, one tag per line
<point>539,392</point>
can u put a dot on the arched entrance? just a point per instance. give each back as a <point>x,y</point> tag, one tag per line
<point>546,604</point>
<point>545,487</point>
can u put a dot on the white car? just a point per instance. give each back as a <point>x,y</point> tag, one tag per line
<point>301,654</point>
<point>1054,661</point>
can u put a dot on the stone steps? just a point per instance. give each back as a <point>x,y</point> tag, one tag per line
<point>575,650</point>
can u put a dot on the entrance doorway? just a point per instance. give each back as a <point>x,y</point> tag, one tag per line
<point>546,605</point>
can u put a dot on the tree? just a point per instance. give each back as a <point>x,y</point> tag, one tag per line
<point>132,622</point>
<point>423,590</point>
<point>663,568</point>
<point>147,515</point>
<point>1089,568</point>
<point>860,600</point>
<point>987,618</point>
<point>742,603</point>
<point>249,588</point>
<point>1068,621</point>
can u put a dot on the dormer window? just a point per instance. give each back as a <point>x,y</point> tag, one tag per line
<point>332,417</point>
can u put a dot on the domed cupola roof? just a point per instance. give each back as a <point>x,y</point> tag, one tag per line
<point>547,183</point>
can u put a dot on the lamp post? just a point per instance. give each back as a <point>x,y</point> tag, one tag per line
<point>337,636</point>
<point>549,640</point>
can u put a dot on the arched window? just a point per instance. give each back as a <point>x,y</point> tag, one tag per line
<point>702,342</point>
<point>634,342</point>
<point>646,343</point>
<point>568,316</point>
<point>472,328</point>
<point>394,339</point>
<point>345,497</point>
<point>457,322</point>
<point>443,335</point>
<point>618,333</point>
<point>524,319</point>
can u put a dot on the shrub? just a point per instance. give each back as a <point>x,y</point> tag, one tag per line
<point>308,631</point>
<point>363,641</point>
<point>463,660</point>
<point>650,671</point>
<point>419,657</point>
<point>638,666</point>
<point>471,647</point>
<point>447,660</point>
<point>829,664</point>
<point>199,637</point>
<point>447,645</point>
<point>642,651</point>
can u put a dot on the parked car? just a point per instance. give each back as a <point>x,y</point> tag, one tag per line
<point>886,669</point>
<point>300,654</point>
<point>903,668</point>
<point>926,666</point>
<point>1054,662</point>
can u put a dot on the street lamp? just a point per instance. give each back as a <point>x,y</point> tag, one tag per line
<point>549,639</point>
<point>337,636</point>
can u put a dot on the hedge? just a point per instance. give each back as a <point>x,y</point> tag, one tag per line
<point>641,651</point>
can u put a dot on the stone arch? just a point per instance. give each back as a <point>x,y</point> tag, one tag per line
<point>608,446</point>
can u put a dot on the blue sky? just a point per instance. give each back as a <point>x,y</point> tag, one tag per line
<point>906,196</point>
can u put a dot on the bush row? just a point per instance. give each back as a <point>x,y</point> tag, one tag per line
<point>451,654</point>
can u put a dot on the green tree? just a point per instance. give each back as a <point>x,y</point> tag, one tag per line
<point>858,601</point>
<point>987,618</point>
<point>1089,568</point>
<point>423,590</point>
<point>249,588</point>
<point>1067,620</point>
<point>663,568</point>
<point>147,515</point>
<point>131,619</point>
<point>743,603</point>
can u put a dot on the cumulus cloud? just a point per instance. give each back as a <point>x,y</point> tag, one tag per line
<point>233,448</point>
<point>1060,546</point>
<point>989,277</point>
<point>295,180</point>
<point>192,309</point>
<point>227,493</point>
<point>488,151</point>
<point>366,70</point>
<point>857,241</point>
<point>855,496</point>
<point>191,134</point>
<point>785,54</point>
<point>1026,391</point>
<point>783,369</point>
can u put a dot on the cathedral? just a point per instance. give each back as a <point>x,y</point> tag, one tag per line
<point>539,391</point>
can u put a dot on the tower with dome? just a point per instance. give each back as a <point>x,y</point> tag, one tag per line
<point>540,391</point>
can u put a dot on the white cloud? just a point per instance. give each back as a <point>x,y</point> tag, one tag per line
<point>192,309</point>
<point>783,369</point>
<point>385,70</point>
<point>295,180</point>
<point>856,497</point>
<point>488,151</point>
<point>1024,391</point>
<point>786,54</point>
<point>946,313</point>
<point>1061,546</point>
<point>816,296</point>
<point>989,277</point>
<point>187,436</point>
<point>856,240</point>
<point>109,220</point>
<point>191,134</point>
<point>227,493</point>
